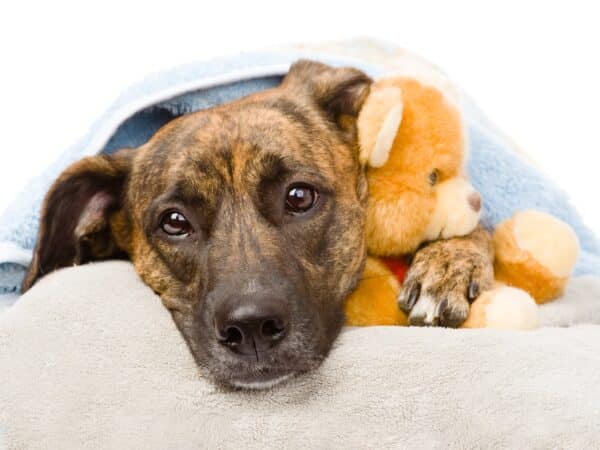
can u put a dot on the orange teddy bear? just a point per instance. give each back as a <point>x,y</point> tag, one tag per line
<point>413,141</point>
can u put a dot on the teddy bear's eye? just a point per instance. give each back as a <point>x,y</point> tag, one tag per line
<point>434,177</point>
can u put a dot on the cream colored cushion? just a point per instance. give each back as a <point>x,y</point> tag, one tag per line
<point>90,359</point>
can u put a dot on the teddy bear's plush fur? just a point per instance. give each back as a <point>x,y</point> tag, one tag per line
<point>420,191</point>
<point>525,241</point>
<point>413,141</point>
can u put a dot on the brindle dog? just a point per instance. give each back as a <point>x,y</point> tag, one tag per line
<point>247,219</point>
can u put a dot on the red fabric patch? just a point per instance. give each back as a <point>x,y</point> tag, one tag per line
<point>398,266</point>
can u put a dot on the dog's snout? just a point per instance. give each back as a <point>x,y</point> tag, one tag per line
<point>475,201</point>
<point>251,329</point>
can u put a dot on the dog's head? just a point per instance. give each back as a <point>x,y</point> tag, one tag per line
<point>247,219</point>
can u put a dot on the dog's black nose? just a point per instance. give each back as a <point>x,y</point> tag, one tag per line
<point>252,329</point>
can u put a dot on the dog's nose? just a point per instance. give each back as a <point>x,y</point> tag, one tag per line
<point>252,329</point>
<point>475,201</point>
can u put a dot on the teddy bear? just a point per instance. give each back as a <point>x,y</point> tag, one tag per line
<point>412,139</point>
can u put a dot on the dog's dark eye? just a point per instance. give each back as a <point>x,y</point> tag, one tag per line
<point>434,177</point>
<point>300,198</point>
<point>174,223</point>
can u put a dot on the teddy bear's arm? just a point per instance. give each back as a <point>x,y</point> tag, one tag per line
<point>445,277</point>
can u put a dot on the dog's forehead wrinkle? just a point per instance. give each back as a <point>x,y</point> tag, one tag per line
<point>263,135</point>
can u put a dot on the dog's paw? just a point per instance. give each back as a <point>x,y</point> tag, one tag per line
<point>444,279</point>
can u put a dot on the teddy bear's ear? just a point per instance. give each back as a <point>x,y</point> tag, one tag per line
<point>378,124</point>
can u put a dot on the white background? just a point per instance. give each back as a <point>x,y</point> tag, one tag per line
<point>533,66</point>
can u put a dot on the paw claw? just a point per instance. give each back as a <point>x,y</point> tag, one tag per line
<point>415,292</point>
<point>441,308</point>
<point>473,291</point>
<point>409,297</point>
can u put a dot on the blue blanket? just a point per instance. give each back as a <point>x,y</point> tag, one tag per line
<point>506,180</point>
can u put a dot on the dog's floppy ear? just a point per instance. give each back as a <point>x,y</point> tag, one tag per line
<point>340,92</point>
<point>74,226</point>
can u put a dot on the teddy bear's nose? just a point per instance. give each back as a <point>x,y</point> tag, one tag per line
<point>475,201</point>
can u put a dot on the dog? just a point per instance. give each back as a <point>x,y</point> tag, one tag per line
<point>247,219</point>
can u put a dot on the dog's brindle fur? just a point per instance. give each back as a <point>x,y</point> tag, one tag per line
<point>227,170</point>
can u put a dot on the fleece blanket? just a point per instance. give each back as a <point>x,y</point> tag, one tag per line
<point>86,367</point>
<point>506,179</point>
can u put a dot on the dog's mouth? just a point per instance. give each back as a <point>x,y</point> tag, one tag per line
<point>265,375</point>
<point>259,376</point>
<point>261,381</point>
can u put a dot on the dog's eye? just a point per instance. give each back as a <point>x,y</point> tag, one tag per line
<point>300,198</point>
<point>434,177</point>
<point>174,223</point>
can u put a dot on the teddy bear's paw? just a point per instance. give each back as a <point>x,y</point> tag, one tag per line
<point>443,280</point>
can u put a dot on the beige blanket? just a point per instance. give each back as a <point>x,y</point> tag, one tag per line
<point>90,359</point>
